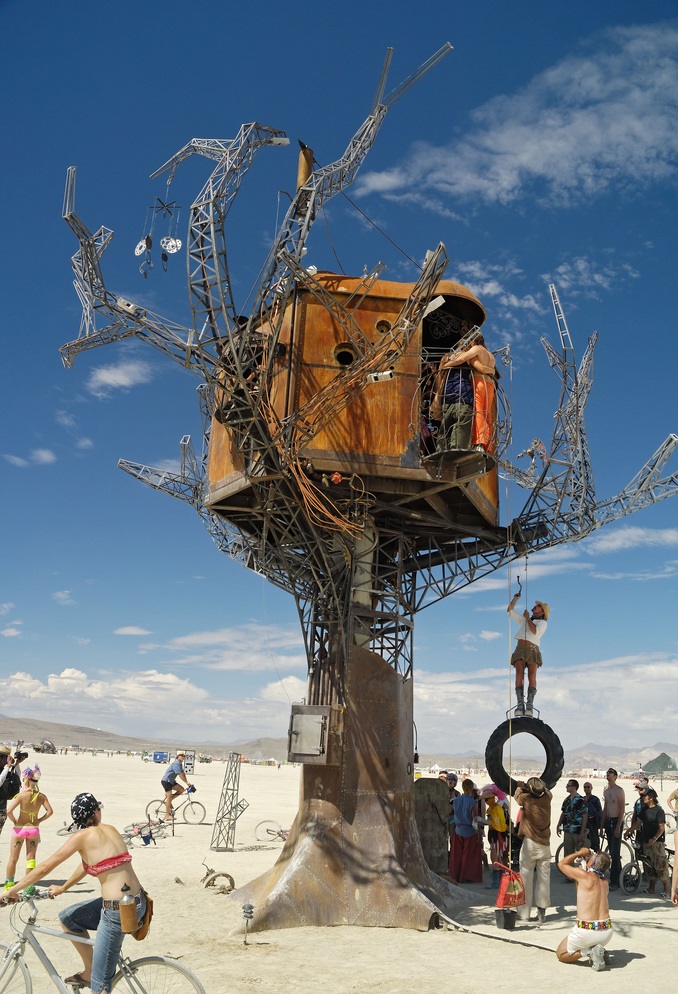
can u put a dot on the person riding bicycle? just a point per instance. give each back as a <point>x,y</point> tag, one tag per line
<point>104,855</point>
<point>175,771</point>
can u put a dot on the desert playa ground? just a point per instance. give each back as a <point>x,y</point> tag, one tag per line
<point>203,927</point>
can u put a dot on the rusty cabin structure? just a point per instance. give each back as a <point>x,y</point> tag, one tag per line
<point>377,434</point>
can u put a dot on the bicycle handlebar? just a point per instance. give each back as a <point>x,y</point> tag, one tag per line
<point>39,894</point>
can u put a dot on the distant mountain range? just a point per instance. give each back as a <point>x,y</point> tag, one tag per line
<point>589,756</point>
<point>31,730</point>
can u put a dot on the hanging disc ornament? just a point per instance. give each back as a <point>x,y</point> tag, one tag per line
<point>170,245</point>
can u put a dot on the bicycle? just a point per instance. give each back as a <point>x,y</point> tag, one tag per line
<point>144,832</point>
<point>147,975</point>
<point>635,873</point>
<point>193,812</point>
<point>625,851</point>
<point>268,830</point>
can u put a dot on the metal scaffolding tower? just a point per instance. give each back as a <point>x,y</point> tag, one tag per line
<point>230,807</point>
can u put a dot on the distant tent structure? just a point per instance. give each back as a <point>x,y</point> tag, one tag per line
<point>661,764</point>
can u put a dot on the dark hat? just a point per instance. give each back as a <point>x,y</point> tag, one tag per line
<point>82,809</point>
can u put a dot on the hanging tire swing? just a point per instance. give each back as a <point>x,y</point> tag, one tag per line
<point>494,762</point>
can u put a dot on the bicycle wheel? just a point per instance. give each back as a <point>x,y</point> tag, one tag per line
<point>627,853</point>
<point>155,810</point>
<point>156,975</point>
<point>194,812</point>
<point>14,975</point>
<point>266,831</point>
<point>65,830</point>
<point>629,878</point>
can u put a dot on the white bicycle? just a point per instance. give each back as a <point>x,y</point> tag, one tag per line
<point>148,975</point>
<point>192,811</point>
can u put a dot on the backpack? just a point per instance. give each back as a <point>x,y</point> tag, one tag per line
<point>10,787</point>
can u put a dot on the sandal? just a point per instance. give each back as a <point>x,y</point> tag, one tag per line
<point>77,980</point>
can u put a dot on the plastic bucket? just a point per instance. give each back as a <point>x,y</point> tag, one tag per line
<point>505,918</point>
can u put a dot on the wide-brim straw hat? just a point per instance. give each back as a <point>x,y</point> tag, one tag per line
<point>536,787</point>
<point>545,608</point>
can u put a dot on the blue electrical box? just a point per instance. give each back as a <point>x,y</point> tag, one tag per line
<point>161,757</point>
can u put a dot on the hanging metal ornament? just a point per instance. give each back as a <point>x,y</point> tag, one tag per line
<point>169,243</point>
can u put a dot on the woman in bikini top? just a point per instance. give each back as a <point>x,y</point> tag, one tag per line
<point>104,855</point>
<point>29,801</point>
<point>25,811</point>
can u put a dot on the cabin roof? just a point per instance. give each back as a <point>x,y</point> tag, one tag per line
<point>468,305</point>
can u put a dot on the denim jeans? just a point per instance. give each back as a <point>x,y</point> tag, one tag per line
<point>614,849</point>
<point>88,915</point>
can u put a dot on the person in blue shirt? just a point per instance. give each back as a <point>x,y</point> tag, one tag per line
<point>175,771</point>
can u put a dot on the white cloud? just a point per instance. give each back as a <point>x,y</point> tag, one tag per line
<point>63,597</point>
<point>288,689</point>
<point>5,608</point>
<point>11,632</point>
<point>603,118</point>
<point>488,636</point>
<point>132,630</point>
<point>38,457</point>
<point>630,537</point>
<point>582,275</point>
<point>42,457</point>
<point>249,647</point>
<point>119,376</point>
<point>65,419</point>
<point>84,443</point>
<point>162,704</point>
<point>459,711</point>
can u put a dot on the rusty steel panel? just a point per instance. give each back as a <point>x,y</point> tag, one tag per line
<point>353,855</point>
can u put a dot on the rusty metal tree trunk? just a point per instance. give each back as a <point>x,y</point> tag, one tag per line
<point>353,855</point>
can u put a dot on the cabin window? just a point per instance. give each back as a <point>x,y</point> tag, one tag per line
<point>345,354</point>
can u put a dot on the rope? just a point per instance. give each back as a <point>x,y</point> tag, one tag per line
<point>509,503</point>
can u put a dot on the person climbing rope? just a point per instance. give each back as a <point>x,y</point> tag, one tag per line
<point>527,653</point>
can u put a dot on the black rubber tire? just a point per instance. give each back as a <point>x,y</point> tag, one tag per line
<point>629,878</point>
<point>555,758</point>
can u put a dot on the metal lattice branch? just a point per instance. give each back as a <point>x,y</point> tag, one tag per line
<point>212,306</point>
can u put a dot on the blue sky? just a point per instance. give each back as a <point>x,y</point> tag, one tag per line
<point>544,148</point>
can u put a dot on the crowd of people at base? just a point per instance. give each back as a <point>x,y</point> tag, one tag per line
<point>472,810</point>
<point>583,821</point>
